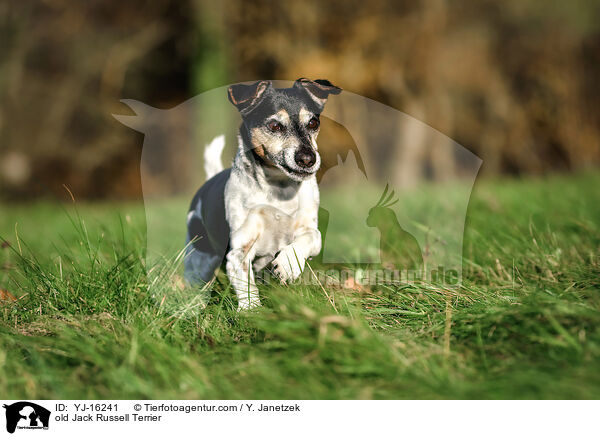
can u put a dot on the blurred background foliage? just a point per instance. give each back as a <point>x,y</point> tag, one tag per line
<point>516,81</point>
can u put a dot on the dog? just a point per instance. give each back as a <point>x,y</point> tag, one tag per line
<point>264,209</point>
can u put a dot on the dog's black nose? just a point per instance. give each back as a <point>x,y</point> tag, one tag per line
<point>305,158</point>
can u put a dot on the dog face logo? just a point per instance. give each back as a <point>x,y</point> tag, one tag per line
<point>282,124</point>
<point>26,415</point>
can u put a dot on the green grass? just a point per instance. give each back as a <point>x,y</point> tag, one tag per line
<point>524,324</point>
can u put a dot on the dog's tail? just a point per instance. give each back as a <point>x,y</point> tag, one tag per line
<point>212,156</point>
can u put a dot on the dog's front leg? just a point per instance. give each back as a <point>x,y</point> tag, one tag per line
<point>239,262</point>
<point>241,277</point>
<point>289,263</point>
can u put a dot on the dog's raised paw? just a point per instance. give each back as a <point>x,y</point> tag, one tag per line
<point>288,264</point>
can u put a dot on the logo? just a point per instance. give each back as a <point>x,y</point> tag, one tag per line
<point>26,415</point>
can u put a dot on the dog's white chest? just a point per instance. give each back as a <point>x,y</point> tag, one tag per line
<point>273,229</point>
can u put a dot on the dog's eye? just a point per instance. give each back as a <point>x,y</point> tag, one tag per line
<point>313,123</point>
<point>275,126</point>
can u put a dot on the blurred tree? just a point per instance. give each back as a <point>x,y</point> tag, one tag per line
<point>63,69</point>
<point>515,82</point>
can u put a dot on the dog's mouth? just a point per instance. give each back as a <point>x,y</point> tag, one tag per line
<point>297,172</point>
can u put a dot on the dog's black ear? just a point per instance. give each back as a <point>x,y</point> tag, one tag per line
<point>318,90</point>
<point>246,97</point>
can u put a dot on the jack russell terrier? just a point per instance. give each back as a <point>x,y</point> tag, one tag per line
<point>263,210</point>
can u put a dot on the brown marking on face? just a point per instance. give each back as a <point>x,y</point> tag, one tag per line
<point>305,115</point>
<point>272,142</point>
<point>265,144</point>
<point>283,117</point>
<point>260,151</point>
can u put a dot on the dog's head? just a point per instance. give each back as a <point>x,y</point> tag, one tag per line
<point>281,125</point>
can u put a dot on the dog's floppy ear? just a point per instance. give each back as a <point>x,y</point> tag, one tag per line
<point>318,90</point>
<point>246,97</point>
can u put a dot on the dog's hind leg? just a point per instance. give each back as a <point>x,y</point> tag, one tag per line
<point>200,266</point>
<point>201,260</point>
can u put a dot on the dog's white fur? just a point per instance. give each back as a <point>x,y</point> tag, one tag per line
<point>267,217</point>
